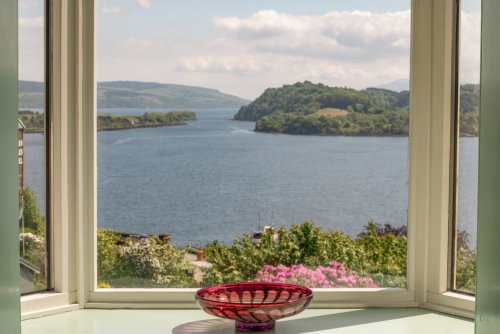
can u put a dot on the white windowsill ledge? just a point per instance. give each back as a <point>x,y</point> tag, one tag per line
<point>337,321</point>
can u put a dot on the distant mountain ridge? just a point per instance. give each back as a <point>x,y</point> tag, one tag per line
<point>396,85</point>
<point>137,94</point>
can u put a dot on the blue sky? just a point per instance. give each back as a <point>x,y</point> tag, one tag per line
<point>243,47</point>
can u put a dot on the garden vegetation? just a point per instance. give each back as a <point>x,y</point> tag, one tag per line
<point>302,254</point>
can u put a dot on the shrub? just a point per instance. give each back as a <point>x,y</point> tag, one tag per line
<point>381,257</point>
<point>305,253</point>
<point>145,263</point>
<point>32,249</point>
<point>384,254</point>
<point>465,275</point>
<point>32,216</point>
<point>333,276</point>
<point>107,255</point>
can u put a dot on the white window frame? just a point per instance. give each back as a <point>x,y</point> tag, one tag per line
<point>75,182</point>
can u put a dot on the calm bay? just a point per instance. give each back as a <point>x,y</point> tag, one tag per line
<point>216,178</point>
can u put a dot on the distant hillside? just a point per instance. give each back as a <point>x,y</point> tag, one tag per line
<point>308,108</point>
<point>397,85</point>
<point>135,94</point>
<point>306,98</point>
<point>31,94</point>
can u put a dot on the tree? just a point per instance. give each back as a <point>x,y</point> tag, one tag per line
<point>34,221</point>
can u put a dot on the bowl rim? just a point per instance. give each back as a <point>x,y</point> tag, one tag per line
<point>309,295</point>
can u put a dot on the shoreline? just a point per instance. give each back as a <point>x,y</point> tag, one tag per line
<point>41,131</point>
<point>140,127</point>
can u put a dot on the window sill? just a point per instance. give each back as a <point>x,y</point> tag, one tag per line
<point>50,303</point>
<point>451,303</point>
<point>184,298</point>
<point>339,321</point>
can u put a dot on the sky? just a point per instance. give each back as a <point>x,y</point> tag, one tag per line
<point>244,47</point>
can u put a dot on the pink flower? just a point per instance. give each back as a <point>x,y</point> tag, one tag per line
<point>335,275</point>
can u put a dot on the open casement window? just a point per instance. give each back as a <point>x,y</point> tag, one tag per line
<point>76,169</point>
<point>463,275</point>
<point>33,149</point>
<point>190,172</point>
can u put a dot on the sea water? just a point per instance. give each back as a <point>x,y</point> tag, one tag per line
<point>215,178</point>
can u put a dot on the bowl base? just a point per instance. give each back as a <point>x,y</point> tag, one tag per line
<point>255,326</point>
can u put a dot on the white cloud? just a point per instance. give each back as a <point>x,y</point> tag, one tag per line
<point>245,55</point>
<point>353,34</point>
<point>216,64</point>
<point>144,3</point>
<point>470,47</point>
<point>263,24</point>
<point>31,22</point>
<point>344,48</point>
<point>111,9</point>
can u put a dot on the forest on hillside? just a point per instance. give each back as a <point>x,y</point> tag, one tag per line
<point>308,108</point>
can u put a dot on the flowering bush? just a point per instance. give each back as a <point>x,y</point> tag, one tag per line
<point>32,249</point>
<point>148,262</point>
<point>375,258</point>
<point>333,276</point>
<point>381,256</point>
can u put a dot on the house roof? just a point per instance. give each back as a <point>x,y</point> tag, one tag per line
<point>20,124</point>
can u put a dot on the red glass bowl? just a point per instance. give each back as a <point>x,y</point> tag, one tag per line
<point>254,306</point>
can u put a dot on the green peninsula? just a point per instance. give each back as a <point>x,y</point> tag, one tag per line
<point>317,109</point>
<point>147,120</point>
<point>34,121</point>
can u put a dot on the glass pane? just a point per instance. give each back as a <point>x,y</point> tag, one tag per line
<point>470,34</point>
<point>31,125</point>
<point>284,165</point>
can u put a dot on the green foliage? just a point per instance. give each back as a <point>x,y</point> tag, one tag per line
<point>291,109</point>
<point>141,263</point>
<point>305,98</point>
<point>32,249</point>
<point>388,99</point>
<point>114,122</point>
<point>372,112</point>
<point>384,256</point>
<point>32,236</point>
<point>107,255</point>
<point>386,123</point>
<point>465,277</point>
<point>469,110</point>
<point>33,121</point>
<point>465,271</point>
<point>469,98</point>
<point>381,257</point>
<point>34,221</point>
<point>378,253</point>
